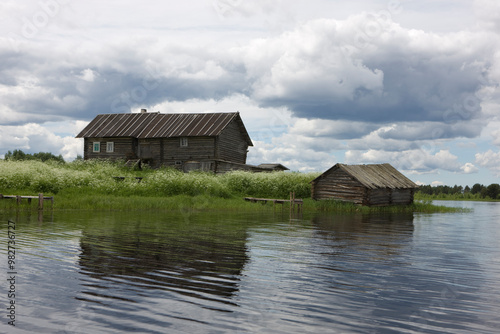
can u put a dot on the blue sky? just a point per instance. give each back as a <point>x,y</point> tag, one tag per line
<point>412,83</point>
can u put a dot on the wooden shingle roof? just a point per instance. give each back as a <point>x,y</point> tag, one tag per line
<point>374,176</point>
<point>156,125</point>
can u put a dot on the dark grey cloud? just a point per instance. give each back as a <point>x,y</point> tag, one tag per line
<point>395,75</point>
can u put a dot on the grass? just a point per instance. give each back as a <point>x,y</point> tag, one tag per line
<point>90,185</point>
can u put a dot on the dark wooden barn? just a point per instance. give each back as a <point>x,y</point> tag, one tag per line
<point>215,142</point>
<point>374,185</point>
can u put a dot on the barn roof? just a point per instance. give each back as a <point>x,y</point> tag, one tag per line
<point>273,166</point>
<point>374,176</point>
<point>156,125</point>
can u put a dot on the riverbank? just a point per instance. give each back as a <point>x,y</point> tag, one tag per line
<point>103,185</point>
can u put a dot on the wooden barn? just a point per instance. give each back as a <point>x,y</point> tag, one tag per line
<point>373,185</point>
<point>215,142</point>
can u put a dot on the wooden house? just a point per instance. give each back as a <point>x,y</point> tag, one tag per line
<point>375,185</point>
<point>215,142</point>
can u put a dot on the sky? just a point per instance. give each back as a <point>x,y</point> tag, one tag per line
<point>414,83</point>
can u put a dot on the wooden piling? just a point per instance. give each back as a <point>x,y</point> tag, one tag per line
<point>40,201</point>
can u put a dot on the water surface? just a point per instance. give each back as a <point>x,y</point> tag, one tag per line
<point>182,272</point>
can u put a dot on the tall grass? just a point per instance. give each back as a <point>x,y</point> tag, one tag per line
<point>95,181</point>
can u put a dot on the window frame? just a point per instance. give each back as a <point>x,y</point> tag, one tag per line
<point>110,147</point>
<point>183,142</point>
<point>96,147</point>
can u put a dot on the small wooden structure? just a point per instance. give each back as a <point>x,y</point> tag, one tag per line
<point>293,201</point>
<point>40,198</point>
<point>374,185</point>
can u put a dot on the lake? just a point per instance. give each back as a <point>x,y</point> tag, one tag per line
<point>182,272</point>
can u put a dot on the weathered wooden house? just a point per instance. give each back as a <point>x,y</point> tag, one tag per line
<point>374,185</point>
<point>215,142</point>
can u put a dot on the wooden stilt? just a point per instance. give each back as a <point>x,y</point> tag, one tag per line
<point>40,201</point>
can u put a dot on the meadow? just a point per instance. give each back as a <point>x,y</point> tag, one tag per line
<point>92,185</point>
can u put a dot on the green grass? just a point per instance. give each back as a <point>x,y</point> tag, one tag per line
<point>89,185</point>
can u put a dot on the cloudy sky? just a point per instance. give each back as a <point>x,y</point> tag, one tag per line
<point>410,82</point>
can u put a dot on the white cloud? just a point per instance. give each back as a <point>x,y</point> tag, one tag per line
<point>414,161</point>
<point>34,138</point>
<point>286,153</point>
<point>88,75</point>
<point>490,160</point>
<point>488,13</point>
<point>469,168</point>
<point>437,183</point>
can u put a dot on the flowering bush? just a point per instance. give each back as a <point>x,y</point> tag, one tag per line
<point>99,176</point>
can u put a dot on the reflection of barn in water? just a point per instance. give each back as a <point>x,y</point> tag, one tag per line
<point>385,234</point>
<point>191,259</point>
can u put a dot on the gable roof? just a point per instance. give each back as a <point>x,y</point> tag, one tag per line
<point>156,125</point>
<point>374,176</point>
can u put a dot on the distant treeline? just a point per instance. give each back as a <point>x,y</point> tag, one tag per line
<point>478,191</point>
<point>18,155</point>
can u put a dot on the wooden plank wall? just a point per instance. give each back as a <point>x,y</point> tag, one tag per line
<point>123,147</point>
<point>231,146</point>
<point>379,197</point>
<point>198,149</point>
<point>402,196</point>
<point>340,185</point>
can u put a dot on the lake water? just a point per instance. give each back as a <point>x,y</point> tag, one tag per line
<point>254,272</point>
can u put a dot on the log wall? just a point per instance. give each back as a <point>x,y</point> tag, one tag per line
<point>339,185</point>
<point>123,148</point>
<point>231,145</point>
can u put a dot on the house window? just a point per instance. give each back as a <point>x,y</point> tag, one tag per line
<point>96,147</point>
<point>184,142</point>
<point>110,147</point>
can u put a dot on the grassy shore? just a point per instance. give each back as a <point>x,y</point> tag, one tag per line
<point>91,185</point>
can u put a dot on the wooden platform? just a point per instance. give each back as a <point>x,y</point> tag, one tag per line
<point>276,201</point>
<point>293,201</point>
<point>40,198</point>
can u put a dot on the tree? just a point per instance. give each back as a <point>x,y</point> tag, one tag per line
<point>476,189</point>
<point>16,155</point>
<point>42,156</point>
<point>493,190</point>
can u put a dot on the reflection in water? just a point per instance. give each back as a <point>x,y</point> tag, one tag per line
<point>186,258</point>
<point>248,273</point>
<point>373,258</point>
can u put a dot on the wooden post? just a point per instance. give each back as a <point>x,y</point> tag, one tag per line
<point>40,201</point>
<point>18,199</point>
